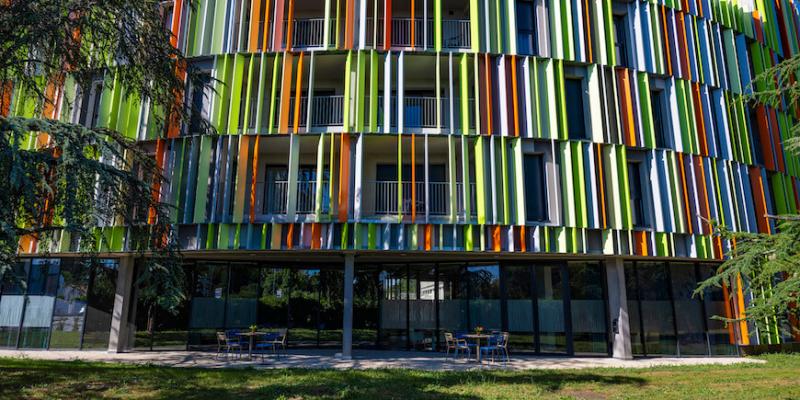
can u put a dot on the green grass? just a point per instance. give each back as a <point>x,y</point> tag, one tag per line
<point>33,379</point>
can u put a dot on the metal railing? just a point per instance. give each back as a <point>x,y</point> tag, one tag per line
<point>387,201</point>
<point>310,32</point>
<point>326,111</point>
<point>277,197</point>
<point>455,33</point>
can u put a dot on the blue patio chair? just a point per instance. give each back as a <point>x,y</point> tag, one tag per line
<point>274,341</point>
<point>228,344</point>
<point>498,344</point>
<point>455,344</point>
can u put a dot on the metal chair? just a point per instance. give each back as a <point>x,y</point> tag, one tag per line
<point>224,342</point>
<point>455,344</point>
<point>274,342</point>
<point>498,344</point>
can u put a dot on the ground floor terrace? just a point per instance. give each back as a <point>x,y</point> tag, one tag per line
<point>351,302</point>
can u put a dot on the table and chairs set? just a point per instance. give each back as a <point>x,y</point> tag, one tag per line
<point>481,344</point>
<point>237,342</point>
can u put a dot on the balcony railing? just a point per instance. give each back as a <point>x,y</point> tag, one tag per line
<point>455,33</point>
<point>386,198</point>
<point>277,192</point>
<point>310,32</point>
<point>326,111</point>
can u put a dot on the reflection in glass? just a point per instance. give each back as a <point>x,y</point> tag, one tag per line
<point>70,306</point>
<point>720,337</point>
<point>688,310</point>
<point>393,327</point>
<point>42,286</point>
<point>656,312</point>
<point>519,307</point>
<point>101,305</point>
<point>453,299</point>
<point>331,307</point>
<point>304,308</point>
<point>273,304</point>
<point>242,305</point>
<point>484,302</point>
<point>208,303</point>
<point>550,300</point>
<point>366,307</point>
<point>634,319</point>
<point>422,306</point>
<point>11,304</point>
<point>588,308</point>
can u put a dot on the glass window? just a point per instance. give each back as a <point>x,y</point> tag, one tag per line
<point>621,40</point>
<point>201,93</point>
<point>635,178</point>
<point>242,304</point>
<point>535,188</point>
<point>484,290</point>
<point>721,337</point>
<point>304,308</point>
<point>70,305</point>
<point>526,28</point>
<point>101,304</point>
<point>573,92</point>
<point>273,305</point>
<point>11,304</point>
<point>634,316</point>
<point>656,308</point>
<point>453,300</point>
<point>208,301</point>
<point>688,310</point>
<point>422,306</point>
<point>331,307</point>
<point>519,307</point>
<point>393,310</point>
<point>42,286</point>
<point>366,306</point>
<point>550,301</point>
<point>588,308</point>
<point>659,104</point>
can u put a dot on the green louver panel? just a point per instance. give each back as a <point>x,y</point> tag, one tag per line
<point>202,179</point>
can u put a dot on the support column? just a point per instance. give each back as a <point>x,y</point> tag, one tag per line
<point>347,317</point>
<point>618,310</point>
<point>118,339</point>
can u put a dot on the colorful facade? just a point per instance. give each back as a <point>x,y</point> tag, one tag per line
<point>503,140</point>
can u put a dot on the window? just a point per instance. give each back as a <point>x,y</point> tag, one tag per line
<point>535,188</point>
<point>621,40</point>
<point>200,102</point>
<point>573,92</point>
<point>658,104</point>
<point>755,132</point>
<point>526,31</point>
<point>635,170</point>
<point>90,105</point>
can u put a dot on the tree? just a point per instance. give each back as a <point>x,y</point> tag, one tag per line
<point>769,264</point>
<point>66,177</point>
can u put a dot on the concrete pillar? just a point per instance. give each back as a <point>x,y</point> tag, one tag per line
<point>347,317</point>
<point>618,309</point>
<point>118,339</point>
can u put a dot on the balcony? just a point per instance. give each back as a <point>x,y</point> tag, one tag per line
<point>419,112</point>
<point>276,196</point>
<point>388,201</point>
<point>455,33</point>
<point>310,32</point>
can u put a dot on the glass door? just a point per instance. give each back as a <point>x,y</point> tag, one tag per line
<point>550,301</point>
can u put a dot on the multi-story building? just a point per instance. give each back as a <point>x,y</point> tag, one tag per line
<point>388,170</point>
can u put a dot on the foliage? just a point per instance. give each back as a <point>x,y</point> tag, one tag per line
<point>768,264</point>
<point>77,178</point>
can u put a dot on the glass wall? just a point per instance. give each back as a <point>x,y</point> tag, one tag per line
<point>394,307</point>
<point>12,300</point>
<point>100,305</point>
<point>588,308</point>
<point>70,305</point>
<point>550,300</point>
<point>520,310</point>
<point>422,306</point>
<point>665,316</point>
<point>37,318</point>
<point>484,297</point>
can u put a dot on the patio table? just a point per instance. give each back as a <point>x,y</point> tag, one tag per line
<point>477,337</point>
<point>251,336</point>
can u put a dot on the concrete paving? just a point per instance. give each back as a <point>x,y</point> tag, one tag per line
<point>362,359</point>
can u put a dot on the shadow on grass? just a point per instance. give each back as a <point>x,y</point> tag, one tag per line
<point>48,379</point>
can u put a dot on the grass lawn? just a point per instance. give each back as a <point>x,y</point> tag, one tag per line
<point>779,378</point>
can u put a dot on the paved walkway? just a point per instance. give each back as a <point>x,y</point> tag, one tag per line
<point>363,359</point>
